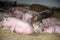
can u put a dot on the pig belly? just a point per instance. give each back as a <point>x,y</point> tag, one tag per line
<point>23,30</point>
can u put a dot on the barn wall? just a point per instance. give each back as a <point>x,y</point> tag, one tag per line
<point>50,3</point>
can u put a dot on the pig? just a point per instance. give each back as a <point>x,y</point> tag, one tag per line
<point>18,11</point>
<point>30,16</point>
<point>18,14</point>
<point>52,29</point>
<point>17,25</point>
<point>21,13</point>
<point>24,14</point>
<point>51,21</point>
<point>49,30</point>
<point>4,14</point>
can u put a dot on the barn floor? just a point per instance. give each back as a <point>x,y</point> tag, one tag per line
<point>8,35</point>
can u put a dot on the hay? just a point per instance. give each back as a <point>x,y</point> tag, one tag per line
<point>8,35</point>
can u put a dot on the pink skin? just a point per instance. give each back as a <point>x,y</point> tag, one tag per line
<point>49,30</point>
<point>57,29</point>
<point>52,29</point>
<point>24,29</point>
<point>53,25</point>
<point>18,13</point>
<point>24,16</point>
<point>51,21</point>
<point>29,16</point>
<point>24,13</point>
<point>17,25</point>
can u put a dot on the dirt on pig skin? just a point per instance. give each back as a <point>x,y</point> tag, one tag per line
<point>17,25</point>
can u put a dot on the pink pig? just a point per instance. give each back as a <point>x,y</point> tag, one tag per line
<point>53,29</point>
<point>18,13</point>
<point>51,21</point>
<point>17,25</point>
